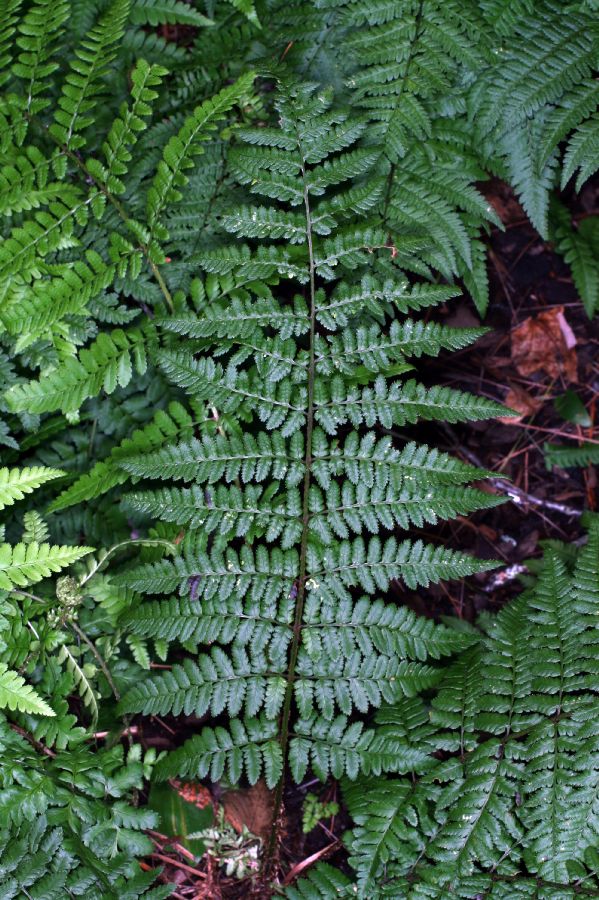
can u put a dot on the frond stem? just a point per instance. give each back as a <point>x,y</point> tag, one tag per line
<point>302,576</point>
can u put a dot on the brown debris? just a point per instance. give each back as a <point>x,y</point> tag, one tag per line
<point>545,343</point>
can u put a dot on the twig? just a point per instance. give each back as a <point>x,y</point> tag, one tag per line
<point>309,861</point>
<point>520,497</point>
<point>100,735</point>
<point>505,576</point>
<point>29,737</point>
<point>179,865</point>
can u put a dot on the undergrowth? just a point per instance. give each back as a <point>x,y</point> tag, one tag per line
<point>220,265</point>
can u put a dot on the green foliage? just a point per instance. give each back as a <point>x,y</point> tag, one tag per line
<point>570,457</point>
<point>15,483</point>
<point>297,387</point>
<point>15,694</point>
<point>499,774</point>
<point>217,293</point>
<point>314,810</point>
<point>60,835</point>
<point>579,245</point>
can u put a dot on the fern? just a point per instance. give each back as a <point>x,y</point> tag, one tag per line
<point>15,694</point>
<point>107,364</point>
<point>83,84</point>
<point>540,92</point>
<point>162,12</point>
<point>282,489</point>
<point>569,457</point>
<point>216,296</point>
<point>579,247</point>
<point>509,806</point>
<point>110,473</point>
<point>16,483</point>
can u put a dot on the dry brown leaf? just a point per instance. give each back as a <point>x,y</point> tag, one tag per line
<point>545,343</point>
<point>252,808</point>
<point>522,402</point>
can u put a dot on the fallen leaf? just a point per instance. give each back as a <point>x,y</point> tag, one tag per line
<point>545,343</point>
<point>252,807</point>
<point>522,402</point>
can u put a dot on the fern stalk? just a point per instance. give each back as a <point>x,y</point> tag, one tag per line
<point>269,857</point>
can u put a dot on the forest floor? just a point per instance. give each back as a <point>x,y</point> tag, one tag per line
<point>540,346</point>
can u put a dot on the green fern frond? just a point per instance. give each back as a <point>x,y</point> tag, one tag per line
<point>166,12</point>
<point>30,315</point>
<point>9,17</point>
<point>322,882</point>
<point>49,230</point>
<point>35,529</point>
<point>39,29</point>
<point>125,129</point>
<point>181,149</point>
<point>580,158</point>
<point>80,679</point>
<point>84,83</point>
<point>106,364</point>
<point>504,767</point>
<point>113,471</point>
<point>248,747</point>
<point>25,564</point>
<point>571,457</point>
<point>505,15</point>
<point>15,694</point>
<point>578,245</point>
<point>16,483</point>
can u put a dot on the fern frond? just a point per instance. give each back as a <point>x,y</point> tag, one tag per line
<point>106,364</point>
<point>249,748</point>
<point>532,180</point>
<point>571,457</point>
<point>84,82</point>
<point>26,564</point>
<point>111,472</point>
<point>181,149</point>
<point>294,481</point>
<point>35,528</point>
<point>549,56</point>
<point>322,882</point>
<point>9,17</point>
<point>49,230</point>
<point>578,247</point>
<point>210,459</point>
<point>15,694</point>
<point>580,157</point>
<point>124,131</point>
<point>39,308</point>
<point>39,30</point>
<point>166,12</point>
<point>80,679</point>
<point>505,767</point>
<point>15,483</point>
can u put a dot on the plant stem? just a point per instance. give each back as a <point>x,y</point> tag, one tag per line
<point>269,856</point>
